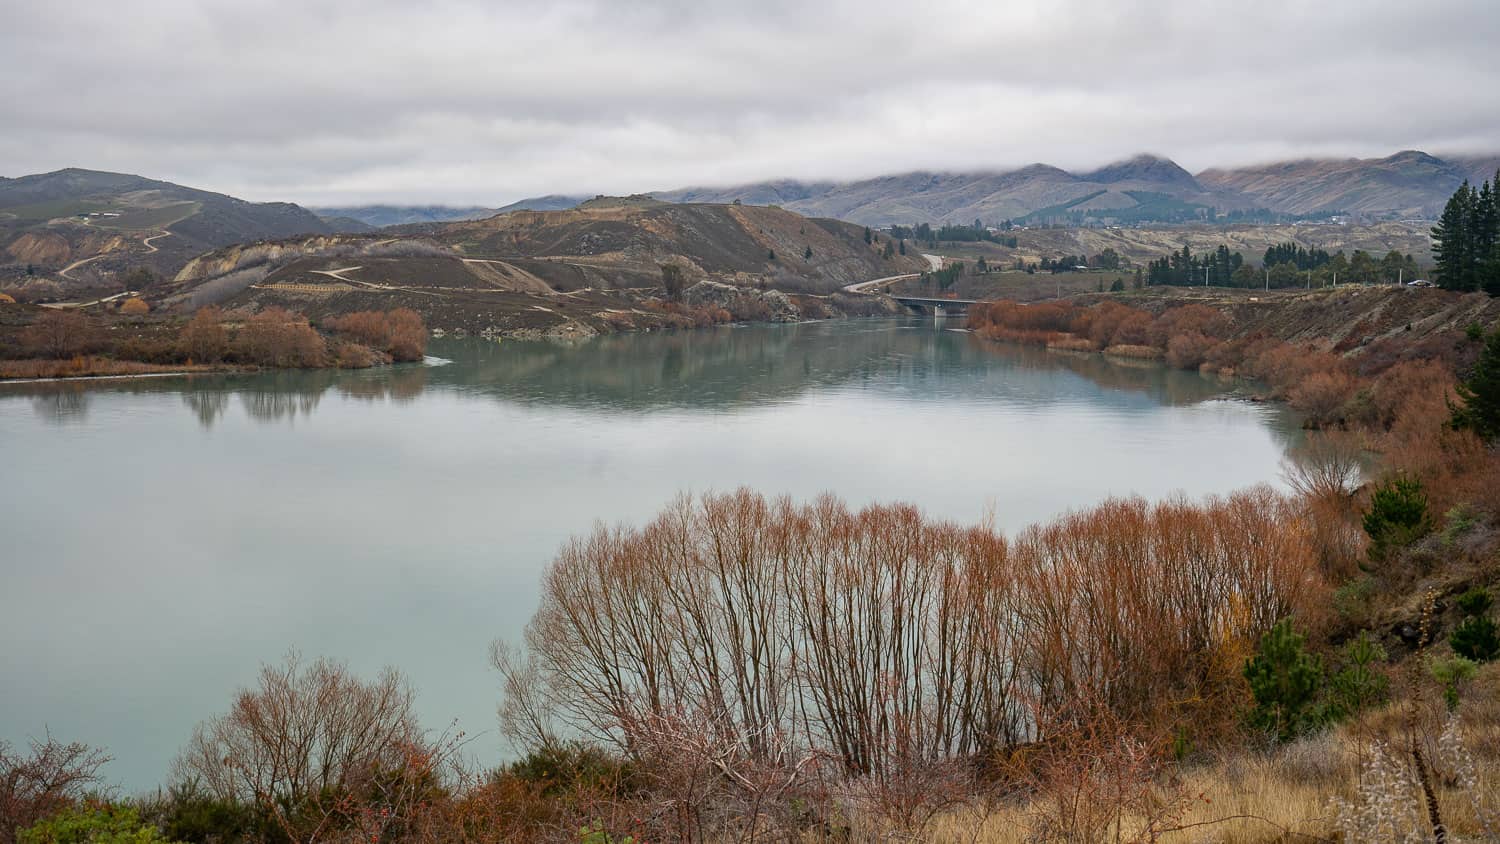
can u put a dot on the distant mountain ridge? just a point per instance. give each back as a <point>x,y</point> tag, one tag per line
<point>380,216</point>
<point>1141,189</point>
<point>1145,188</point>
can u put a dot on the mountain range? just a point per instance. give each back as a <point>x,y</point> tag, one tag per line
<point>1142,189</point>
<point>1145,188</point>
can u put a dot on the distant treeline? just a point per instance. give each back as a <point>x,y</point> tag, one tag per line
<point>1182,268</point>
<point>1283,265</point>
<point>950,233</point>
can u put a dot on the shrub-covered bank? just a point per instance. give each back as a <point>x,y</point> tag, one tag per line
<point>68,343</point>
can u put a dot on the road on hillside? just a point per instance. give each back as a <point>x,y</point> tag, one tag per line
<point>150,248</point>
<point>935,261</point>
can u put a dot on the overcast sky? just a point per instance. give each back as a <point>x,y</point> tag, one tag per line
<point>488,102</point>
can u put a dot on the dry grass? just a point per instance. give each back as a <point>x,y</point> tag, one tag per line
<point>89,367</point>
<point>1126,350</point>
<point>1289,794</point>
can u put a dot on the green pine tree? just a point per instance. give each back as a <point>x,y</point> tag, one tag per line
<point>1359,684</point>
<point>1452,250</point>
<point>1397,515</point>
<point>1476,637</point>
<point>1480,394</point>
<point>1285,681</point>
<point>807,255</point>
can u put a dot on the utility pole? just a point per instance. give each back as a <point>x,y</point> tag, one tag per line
<point>1309,279</point>
<point>1268,281</point>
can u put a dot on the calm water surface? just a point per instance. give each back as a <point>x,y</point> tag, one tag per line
<point>161,538</point>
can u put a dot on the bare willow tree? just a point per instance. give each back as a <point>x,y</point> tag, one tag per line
<point>888,646</point>
<point>317,748</point>
<point>1326,471</point>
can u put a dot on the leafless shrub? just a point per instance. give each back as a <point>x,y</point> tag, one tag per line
<point>891,645</point>
<point>319,750</point>
<point>1099,778</point>
<point>50,777</point>
<point>59,333</point>
<point>277,337</point>
<point>204,339</point>
<point>1325,471</point>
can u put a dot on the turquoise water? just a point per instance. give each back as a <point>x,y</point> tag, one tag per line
<point>163,537</point>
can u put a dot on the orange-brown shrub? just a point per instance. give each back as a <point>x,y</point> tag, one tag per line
<point>1104,321</point>
<point>1013,322</point>
<point>1132,330</point>
<point>278,337</point>
<point>1322,395</point>
<point>1416,393</point>
<point>1233,354</point>
<point>408,338</point>
<point>204,339</point>
<point>399,332</point>
<point>353,356</point>
<point>1140,352</point>
<point>1189,350</point>
<point>134,307</point>
<point>1188,319</point>
<point>904,638</point>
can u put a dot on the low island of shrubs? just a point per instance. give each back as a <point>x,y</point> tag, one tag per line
<point>70,343</point>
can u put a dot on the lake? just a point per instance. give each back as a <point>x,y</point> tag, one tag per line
<point>164,537</point>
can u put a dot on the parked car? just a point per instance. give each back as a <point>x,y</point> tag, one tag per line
<point>1419,282</point>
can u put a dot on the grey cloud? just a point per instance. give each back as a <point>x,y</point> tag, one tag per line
<point>473,102</point>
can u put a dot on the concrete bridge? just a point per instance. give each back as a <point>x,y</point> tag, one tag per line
<point>918,304</point>
<point>937,307</point>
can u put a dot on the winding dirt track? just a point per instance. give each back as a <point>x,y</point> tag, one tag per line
<point>146,242</point>
<point>63,273</point>
<point>149,245</point>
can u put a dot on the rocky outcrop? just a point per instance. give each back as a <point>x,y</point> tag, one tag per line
<point>777,306</point>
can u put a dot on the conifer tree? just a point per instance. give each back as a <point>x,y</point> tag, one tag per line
<point>1480,411</point>
<point>1286,682</point>
<point>1466,240</point>
<point>1450,241</point>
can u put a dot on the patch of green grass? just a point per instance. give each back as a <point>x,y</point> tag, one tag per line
<point>40,211</point>
<point>132,217</point>
<point>148,218</point>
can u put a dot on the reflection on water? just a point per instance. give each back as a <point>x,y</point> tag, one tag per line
<point>720,368</point>
<point>164,536</point>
